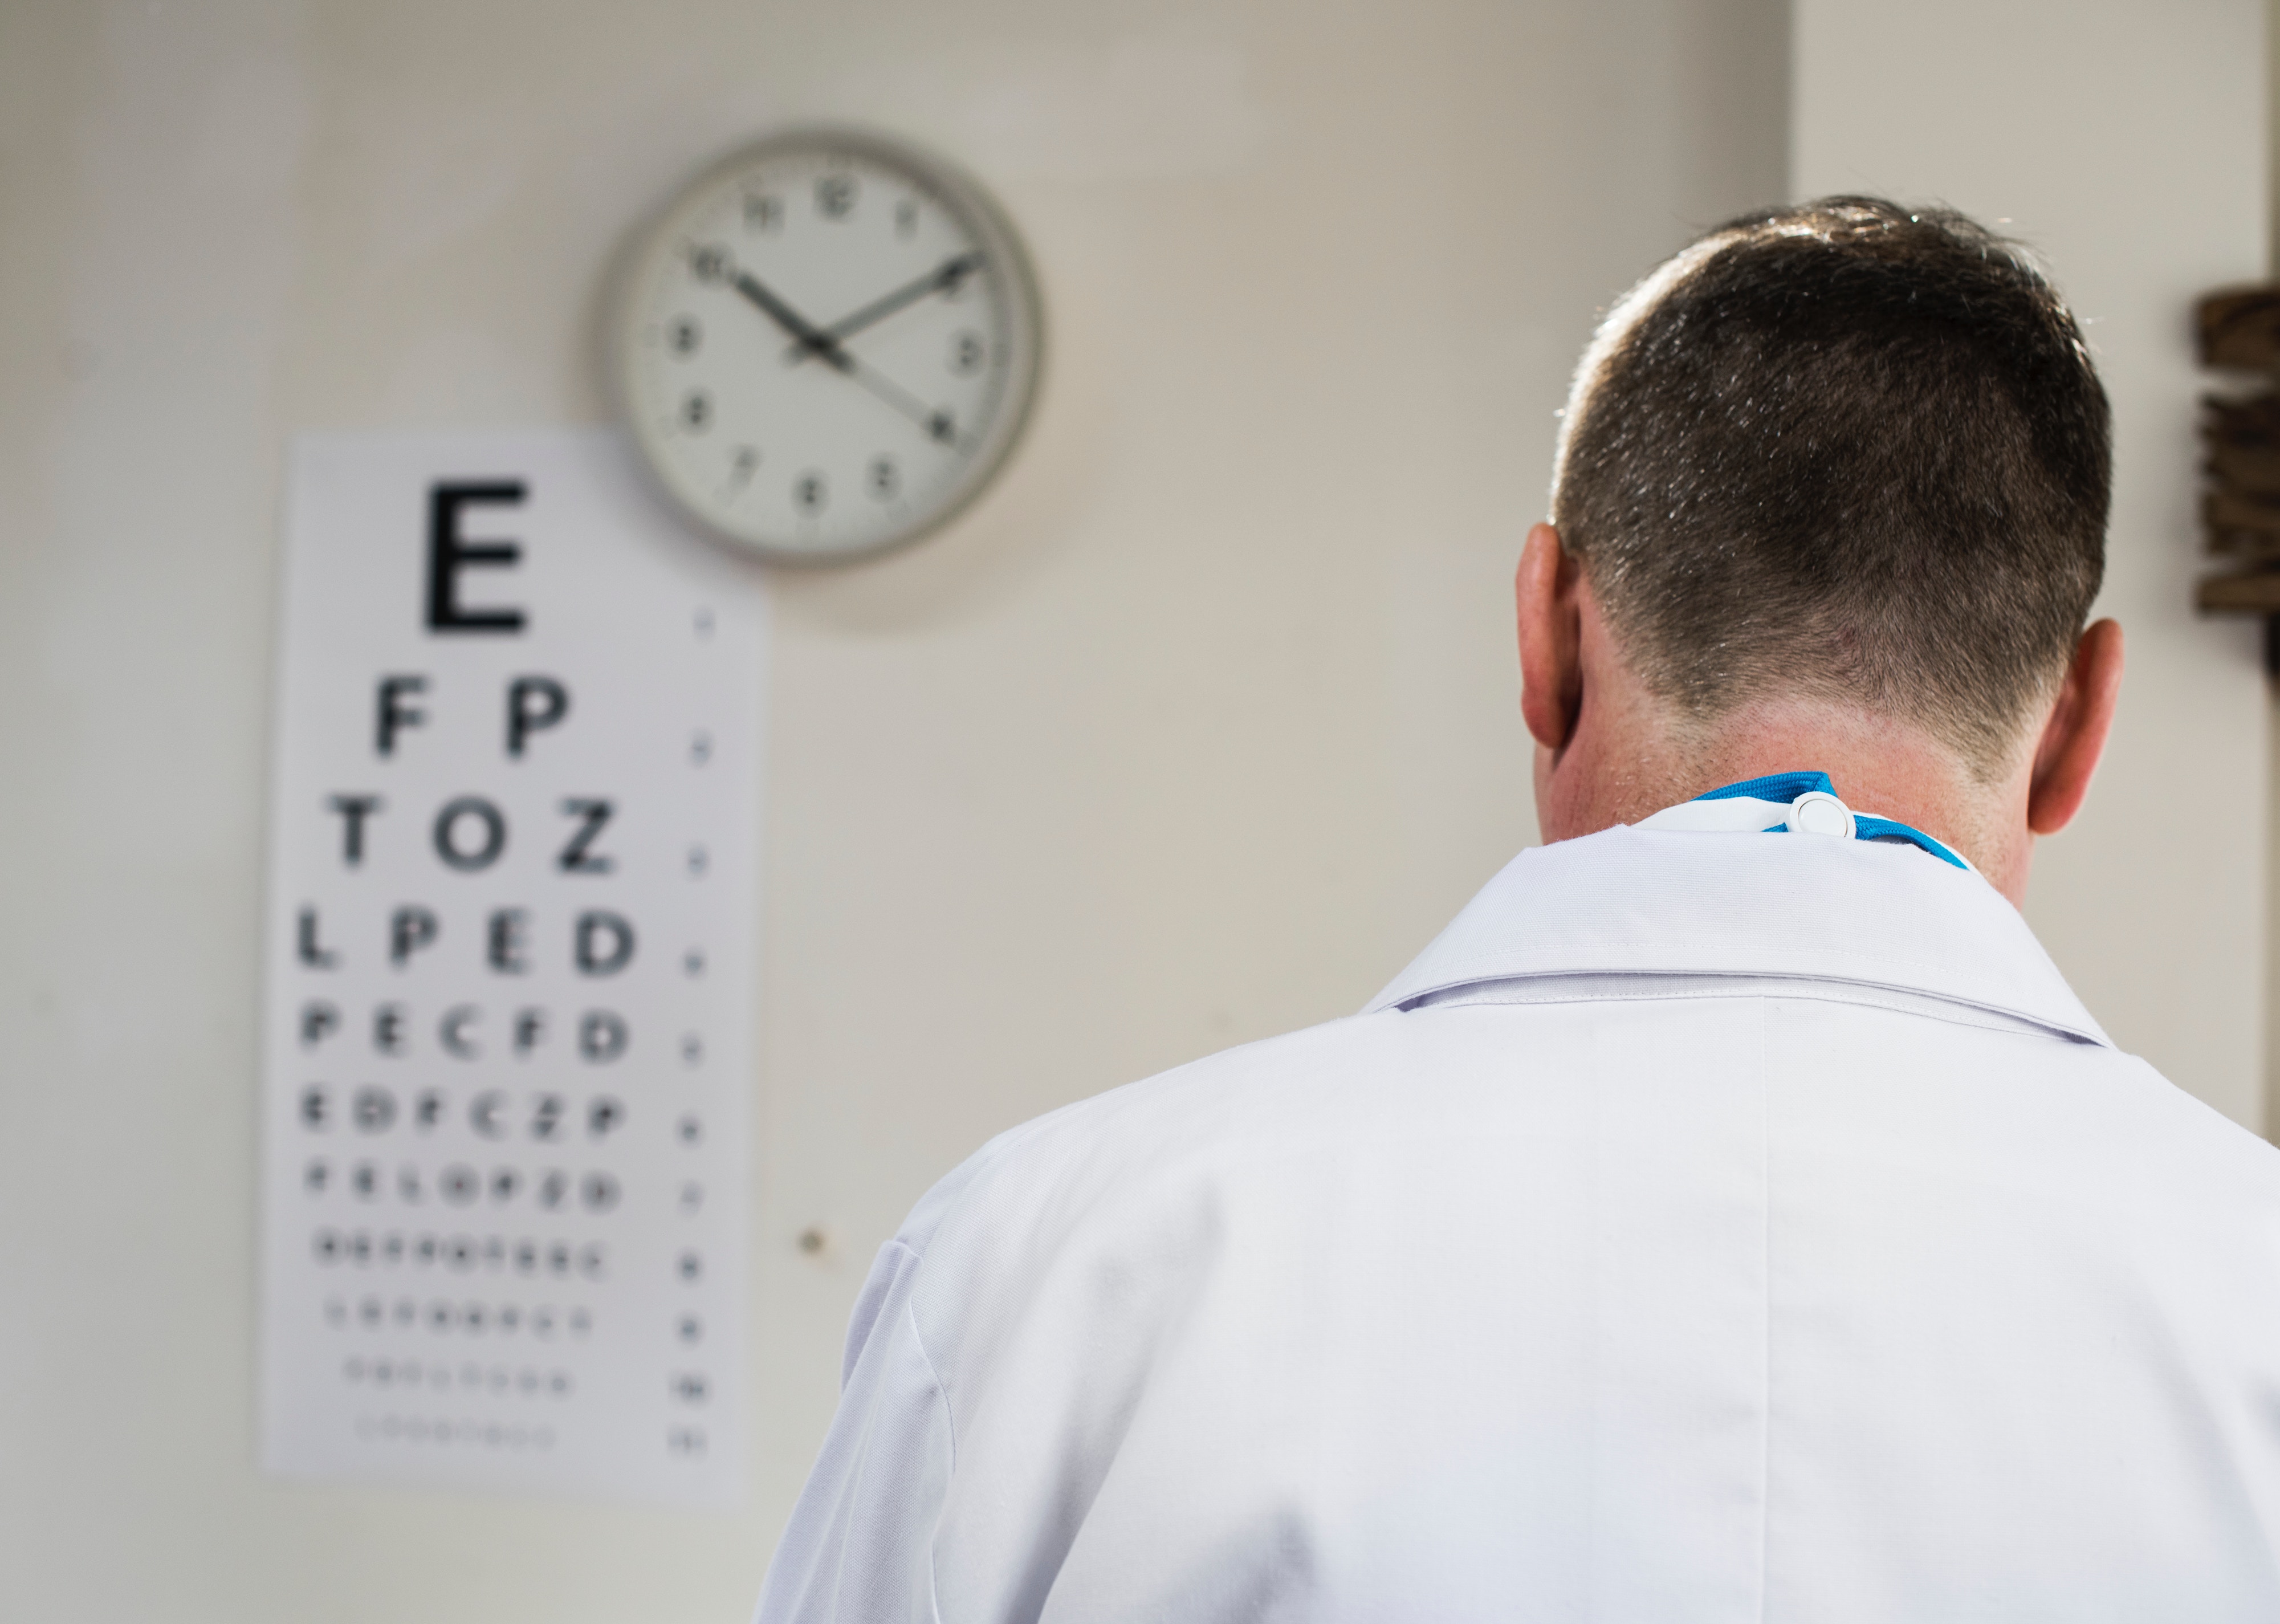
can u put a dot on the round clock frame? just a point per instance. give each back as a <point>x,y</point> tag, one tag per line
<point>759,357</point>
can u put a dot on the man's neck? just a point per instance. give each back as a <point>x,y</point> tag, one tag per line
<point>1877,765</point>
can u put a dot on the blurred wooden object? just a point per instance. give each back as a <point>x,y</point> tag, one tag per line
<point>2240,329</point>
<point>2240,441</point>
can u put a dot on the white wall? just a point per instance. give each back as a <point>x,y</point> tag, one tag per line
<point>1193,731</point>
<point>2125,139</point>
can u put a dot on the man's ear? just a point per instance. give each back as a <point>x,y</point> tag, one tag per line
<point>2074,736</point>
<point>1550,637</point>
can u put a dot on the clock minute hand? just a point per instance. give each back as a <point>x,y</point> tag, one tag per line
<point>942,278</point>
<point>813,340</point>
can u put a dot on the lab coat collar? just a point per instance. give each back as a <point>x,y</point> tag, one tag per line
<point>1839,912</point>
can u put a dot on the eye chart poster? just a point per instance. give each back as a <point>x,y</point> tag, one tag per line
<point>511,915</point>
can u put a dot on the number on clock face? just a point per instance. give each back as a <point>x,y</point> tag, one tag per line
<point>827,346</point>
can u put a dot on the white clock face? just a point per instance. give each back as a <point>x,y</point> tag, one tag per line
<point>827,345</point>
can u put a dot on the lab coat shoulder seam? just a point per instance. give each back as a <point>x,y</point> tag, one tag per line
<point>877,1287</point>
<point>934,1371</point>
<point>950,1427</point>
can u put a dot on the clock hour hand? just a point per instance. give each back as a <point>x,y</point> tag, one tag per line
<point>943,279</point>
<point>813,340</point>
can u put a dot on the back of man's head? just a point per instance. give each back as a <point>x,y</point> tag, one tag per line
<point>1843,451</point>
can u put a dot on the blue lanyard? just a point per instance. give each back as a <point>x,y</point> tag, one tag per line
<point>1788,787</point>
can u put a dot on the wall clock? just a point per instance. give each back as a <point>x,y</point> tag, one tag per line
<point>826,345</point>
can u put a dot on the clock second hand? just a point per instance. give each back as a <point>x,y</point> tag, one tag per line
<point>937,424</point>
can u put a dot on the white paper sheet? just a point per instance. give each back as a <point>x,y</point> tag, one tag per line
<point>510,923</point>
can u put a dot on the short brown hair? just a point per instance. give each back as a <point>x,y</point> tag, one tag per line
<point>1849,450</point>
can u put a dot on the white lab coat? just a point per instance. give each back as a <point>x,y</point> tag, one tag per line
<point>1706,1228</point>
